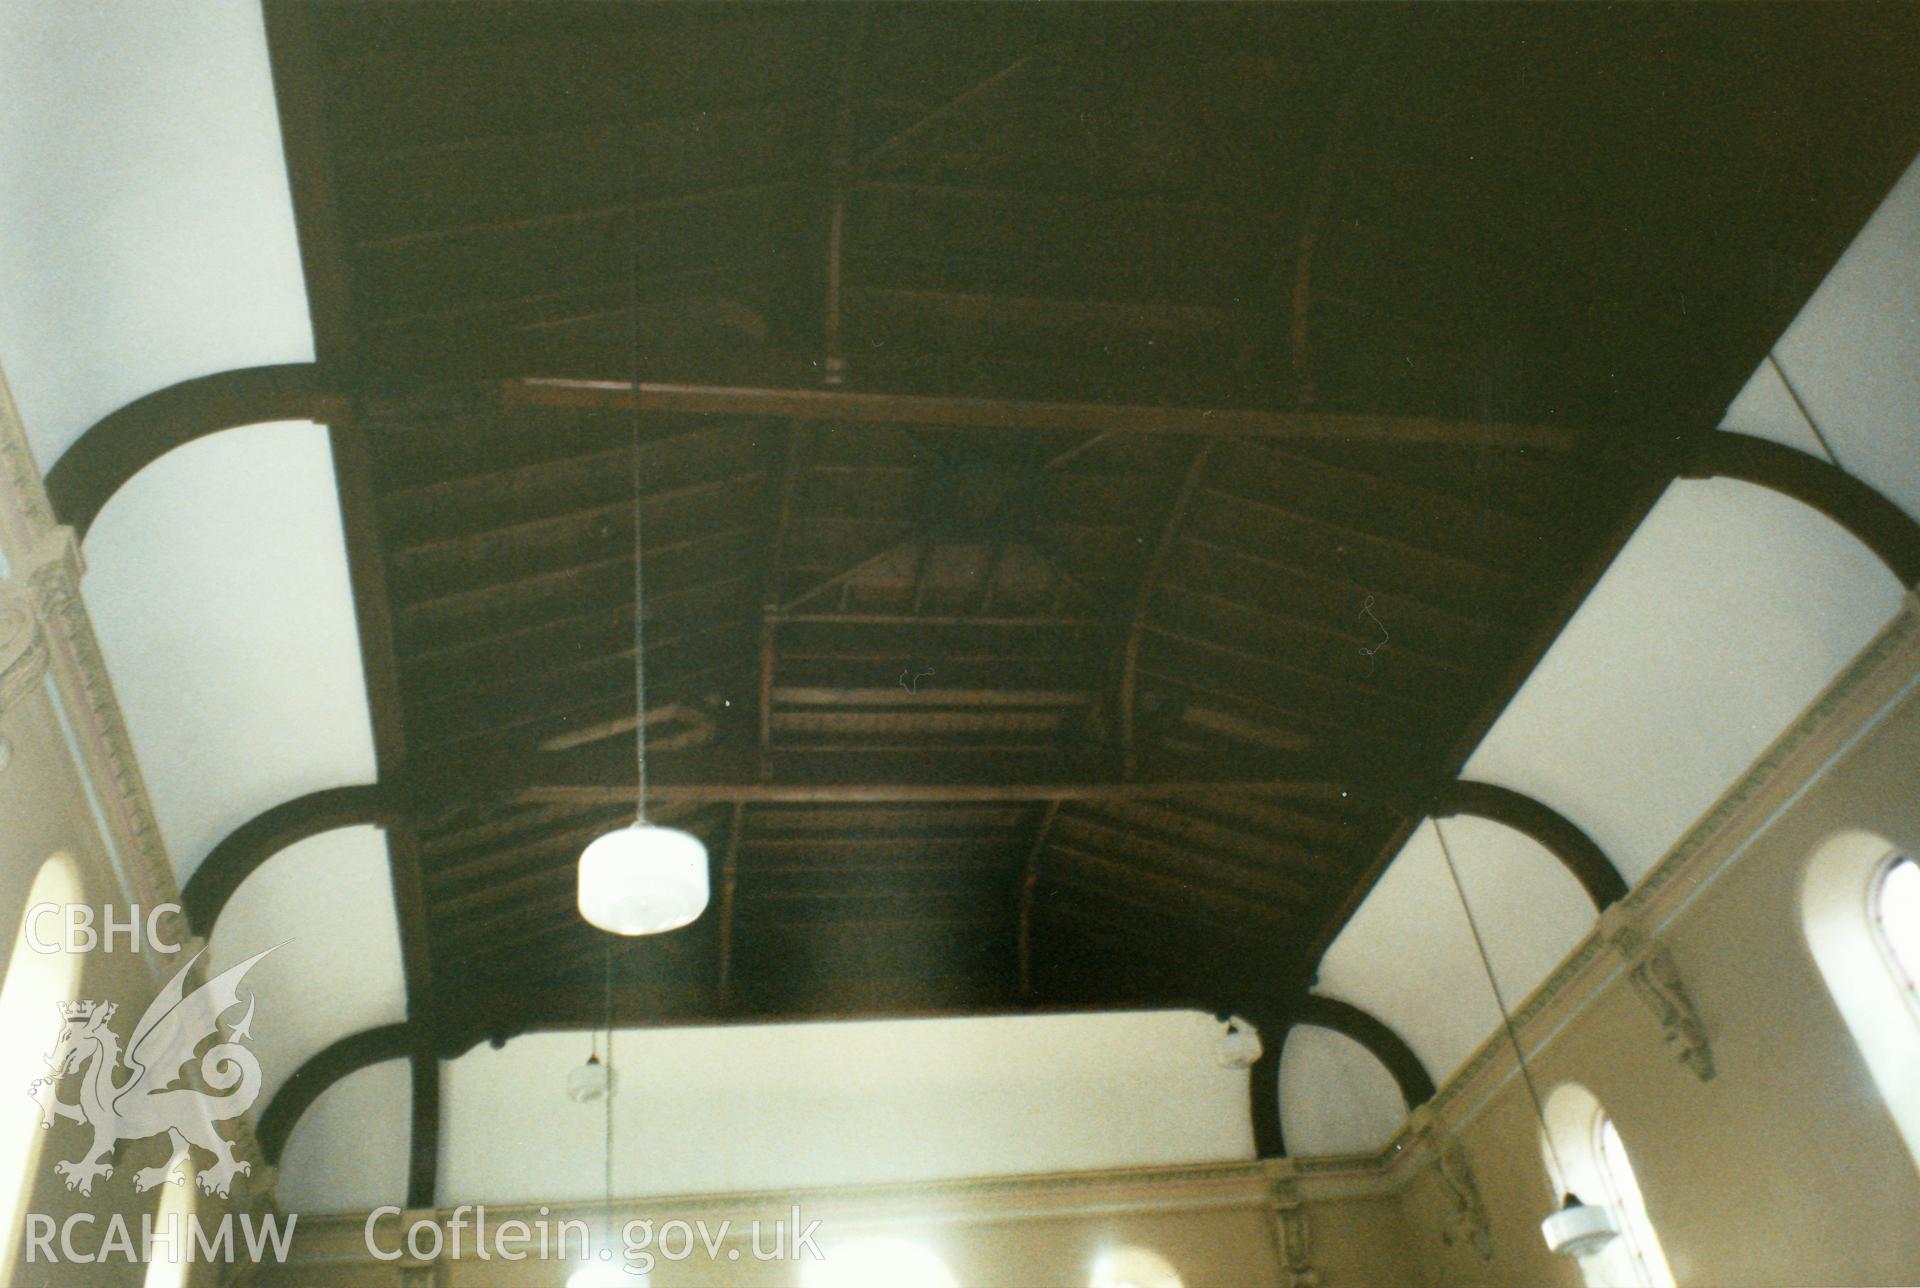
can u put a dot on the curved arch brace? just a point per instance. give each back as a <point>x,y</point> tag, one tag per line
<point>1558,834</point>
<point>260,838</point>
<point>1883,527</point>
<point>124,442</point>
<point>335,1061</point>
<point>1386,1046</point>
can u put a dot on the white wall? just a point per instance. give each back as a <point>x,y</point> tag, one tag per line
<point>772,1106</point>
<point>324,906</point>
<point>217,583</point>
<point>1727,612</point>
<point>1408,957</point>
<point>146,232</point>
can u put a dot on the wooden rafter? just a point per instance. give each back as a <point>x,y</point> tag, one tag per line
<point>1126,699</point>
<point>729,884</point>
<point>1028,881</point>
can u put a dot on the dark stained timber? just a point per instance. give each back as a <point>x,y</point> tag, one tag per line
<point>1078,550</point>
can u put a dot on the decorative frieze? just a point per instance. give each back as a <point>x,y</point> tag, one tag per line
<point>54,573</point>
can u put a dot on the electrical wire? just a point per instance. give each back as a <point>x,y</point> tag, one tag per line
<point>633,361</point>
<point>1499,999</point>
<point>606,1169</point>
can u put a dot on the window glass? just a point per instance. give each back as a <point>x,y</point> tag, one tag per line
<point>35,981</point>
<point>1860,911</point>
<point>168,1266</point>
<point>1585,1157</point>
<point>1134,1268</point>
<point>1630,1208</point>
<point>1896,914</point>
<point>877,1262</point>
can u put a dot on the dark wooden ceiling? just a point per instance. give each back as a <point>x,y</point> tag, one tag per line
<point>987,709</point>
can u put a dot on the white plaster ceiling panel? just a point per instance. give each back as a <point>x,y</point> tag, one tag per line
<point>1853,355</point>
<point>348,1153</point>
<point>217,581</point>
<point>1335,1097</point>
<point>777,1106</point>
<point>146,231</point>
<point>325,907</point>
<point>1765,409</point>
<point>1408,957</point>
<point>1727,612</point>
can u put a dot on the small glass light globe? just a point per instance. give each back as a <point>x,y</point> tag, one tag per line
<point>642,880</point>
<point>588,1083</point>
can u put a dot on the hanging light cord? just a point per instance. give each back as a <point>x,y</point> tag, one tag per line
<point>606,1169</point>
<point>1499,999</point>
<point>633,367</point>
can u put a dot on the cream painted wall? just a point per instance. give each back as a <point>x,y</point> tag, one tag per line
<point>44,810</point>
<point>1214,1224</point>
<point>730,1109</point>
<point>1786,1167</point>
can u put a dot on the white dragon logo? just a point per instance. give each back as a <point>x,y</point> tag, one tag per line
<point>147,1102</point>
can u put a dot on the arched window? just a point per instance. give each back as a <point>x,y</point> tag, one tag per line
<point>1860,909</point>
<point>1896,920</point>
<point>878,1261</point>
<point>1134,1268</point>
<point>34,982</point>
<point>169,1266</point>
<point>1586,1157</point>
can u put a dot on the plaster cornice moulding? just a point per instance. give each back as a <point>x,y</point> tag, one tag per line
<point>46,559</point>
<point>1628,935</point>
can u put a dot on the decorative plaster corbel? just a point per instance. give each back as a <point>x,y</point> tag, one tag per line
<point>1291,1234</point>
<point>1656,981</point>
<point>23,649</point>
<point>1468,1222</point>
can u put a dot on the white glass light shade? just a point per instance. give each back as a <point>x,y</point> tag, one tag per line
<point>642,880</point>
<point>1579,1228</point>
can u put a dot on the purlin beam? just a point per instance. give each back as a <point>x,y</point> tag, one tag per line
<point>293,51</point>
<point>957,412</point>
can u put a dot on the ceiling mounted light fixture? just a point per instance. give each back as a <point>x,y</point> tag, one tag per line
<point>643,879</point>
